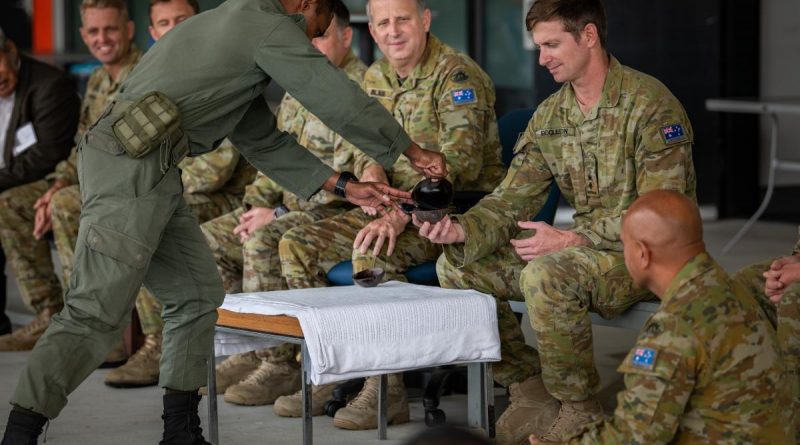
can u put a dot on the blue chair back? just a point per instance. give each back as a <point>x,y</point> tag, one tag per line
<point>510,126</point>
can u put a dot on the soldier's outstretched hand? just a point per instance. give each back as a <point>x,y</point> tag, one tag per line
<point>375,194</point>
<point>429,163</point>
<point>445,231</point>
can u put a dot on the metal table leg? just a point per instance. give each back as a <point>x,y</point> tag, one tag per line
<point>213,426</point>
<point>308,426</point>
<point>383,420</point>
<point>480,397</point>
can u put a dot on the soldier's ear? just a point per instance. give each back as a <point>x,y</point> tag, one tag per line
<point>644,255</point>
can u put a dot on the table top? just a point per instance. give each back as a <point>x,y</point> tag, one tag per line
<point>271,324</point>
<point>757,105</point>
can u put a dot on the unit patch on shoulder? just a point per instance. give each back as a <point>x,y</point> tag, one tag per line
<point>644,358</point>
<point>459,76</point>
<point>464,96</point>
<point>673,133</point>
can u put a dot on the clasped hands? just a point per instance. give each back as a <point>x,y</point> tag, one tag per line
<point>782,273</point>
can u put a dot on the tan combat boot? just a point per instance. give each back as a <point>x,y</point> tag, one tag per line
<point>116,357</point>
<point>571,419</point>
<point>265,384</point>
<point>362,412</point>
<point>292,405</point>
<point>24,338</point>
<point>233,370</point>
<point>531,411</point>
<point>141,369</point>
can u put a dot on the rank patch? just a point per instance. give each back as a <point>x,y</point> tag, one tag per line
<point>673,133</point>
<point>644,358</point>
<point>464,96</point>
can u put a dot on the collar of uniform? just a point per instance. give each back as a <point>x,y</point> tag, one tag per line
<point>695,267</point>
<point>423,69</point>
<point>349,58</point>
<point>611,90</point>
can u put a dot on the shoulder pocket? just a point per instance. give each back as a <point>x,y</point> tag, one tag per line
<point>118,246</point>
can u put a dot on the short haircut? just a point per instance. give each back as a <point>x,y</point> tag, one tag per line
<point>573,14</point>
<point>421,6</point>
<point>119,5</point>
<point>192,4</point>
<point>341,14</point>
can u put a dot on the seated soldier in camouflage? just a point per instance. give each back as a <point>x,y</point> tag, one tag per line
<point>608,135</point>
<point>245,243</point>
<point>213,184</point>
<point>705,368</point>
<point>25,210</point>
<point>776,286</point>
<point>446,103</point>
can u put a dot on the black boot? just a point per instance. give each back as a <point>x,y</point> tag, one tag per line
<point>24,427</point>
<point>181,422</point>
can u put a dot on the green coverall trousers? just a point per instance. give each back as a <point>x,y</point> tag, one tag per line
<point>135,228</point>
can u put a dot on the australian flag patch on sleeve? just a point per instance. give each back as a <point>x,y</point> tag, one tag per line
<point>644,358</point>
<point>464,96</point>
<point>673,133</point>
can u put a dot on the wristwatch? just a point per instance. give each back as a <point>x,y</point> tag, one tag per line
<point>341,183</point>
<point>280,211</point>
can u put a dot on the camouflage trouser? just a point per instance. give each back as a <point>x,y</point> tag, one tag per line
<point>498,275</point>
<point>785,317</point>
<point>309,252</point>
<point>28,259</point>
<point>560,289</point>
<point>66,210</point>
<point>254,266</point>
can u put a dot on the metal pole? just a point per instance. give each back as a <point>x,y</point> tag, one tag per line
<point>308,426</point>
<point>213,418</point>
<point>383,421</point>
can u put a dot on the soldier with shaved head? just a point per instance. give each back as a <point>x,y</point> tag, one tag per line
<point>705,368</point>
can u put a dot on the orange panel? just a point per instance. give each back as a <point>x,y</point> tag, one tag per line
<point>43,26</point>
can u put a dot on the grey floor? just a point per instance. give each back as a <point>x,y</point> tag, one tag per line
<point>97,414</point>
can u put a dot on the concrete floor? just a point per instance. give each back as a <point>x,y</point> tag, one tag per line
<point>98,414</point>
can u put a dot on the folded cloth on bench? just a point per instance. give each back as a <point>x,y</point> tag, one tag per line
<point>354,332</point>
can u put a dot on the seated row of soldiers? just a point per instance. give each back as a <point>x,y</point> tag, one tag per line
<point>629,138</point>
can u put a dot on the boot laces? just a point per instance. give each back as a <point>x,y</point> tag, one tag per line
<point>264,371</point>
<point>150,349</point>
<point>231,362</point>
<point>37,324</point>
<point>368,395</point>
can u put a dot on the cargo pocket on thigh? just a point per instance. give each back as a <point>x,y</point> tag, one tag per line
<point>118,246</point>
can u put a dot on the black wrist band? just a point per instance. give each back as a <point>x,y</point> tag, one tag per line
<point>341,183</point>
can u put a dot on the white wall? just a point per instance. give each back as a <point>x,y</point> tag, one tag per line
<point>780,76</point>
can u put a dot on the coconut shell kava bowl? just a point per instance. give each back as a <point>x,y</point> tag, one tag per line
<point>431,200</point>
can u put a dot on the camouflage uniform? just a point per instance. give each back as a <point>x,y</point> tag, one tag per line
<point>28,258</point>
<point>636,139</point>
<point>705,369</point>
<point>785,317</point>
<point>447,105</point>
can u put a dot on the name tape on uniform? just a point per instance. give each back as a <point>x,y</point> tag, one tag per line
<point>464,96</point>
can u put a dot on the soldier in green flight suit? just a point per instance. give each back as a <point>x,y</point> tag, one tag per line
<point>135,226</point>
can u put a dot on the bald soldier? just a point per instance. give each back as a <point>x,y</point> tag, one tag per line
<point>705,368</point>
<point>608,135</point>
<point>135,225</point>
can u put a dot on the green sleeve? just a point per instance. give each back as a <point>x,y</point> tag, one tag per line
<point>277,154</point>
<point>288,57</point>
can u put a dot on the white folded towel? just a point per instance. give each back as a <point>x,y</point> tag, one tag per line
<point>355,332</point>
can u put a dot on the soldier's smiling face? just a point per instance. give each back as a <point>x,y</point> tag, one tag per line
<point>107,33</point>
<point>400,30</point>
<point>334,43</point>
<point>559,52</point>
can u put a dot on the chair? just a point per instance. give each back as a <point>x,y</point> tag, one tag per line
<point>510,126</point>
